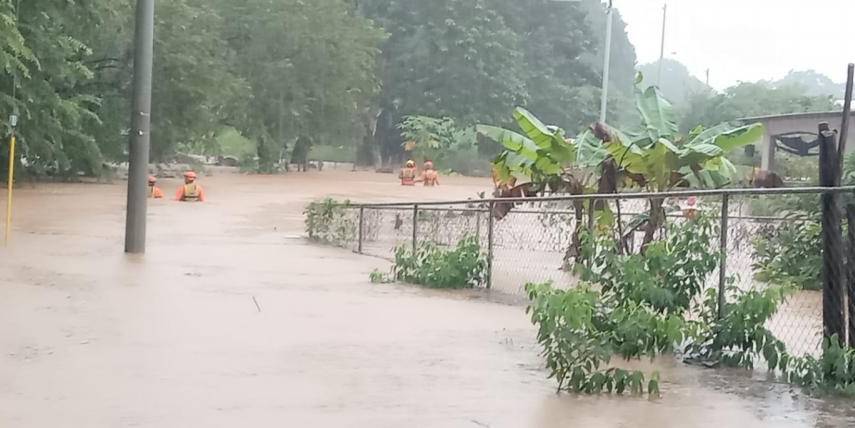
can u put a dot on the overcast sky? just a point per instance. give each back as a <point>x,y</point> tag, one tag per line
<point>746,40</point>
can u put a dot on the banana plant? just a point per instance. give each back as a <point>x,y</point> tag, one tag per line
<point>659,159</point>
<point>543,159</point>
<point>656,158</point>
<point>542,156</point>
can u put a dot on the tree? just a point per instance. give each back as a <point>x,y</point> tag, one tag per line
<point>454,58</point>
<point>815,84</point>
<point>677,84</point>
<point>195,83</point>
<point>46,69</point>
<point>308,69</point>
<point>751,100</point>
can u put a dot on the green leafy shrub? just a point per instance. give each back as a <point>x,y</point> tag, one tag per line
<point>633,307</point>
<point>790,254</point>
<point>328,222</point>
<point>452,147</point>
<point>378,277</point>
<point>667,277</point>
<point>833,372</point>
<point>645,305</point>
<point>433,266</point>
<point>580,330</point>
<point>739,338</point>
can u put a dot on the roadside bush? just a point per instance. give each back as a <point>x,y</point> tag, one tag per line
<point>667,276</point>
<point>328,222</point>
<point>790,254</point>
<point>833,372</point>
<point>581,329</point>
<point>433,266</point>
<point>643,306</point>
<point>452,148</point>
<point>739,338</point>
<point>633,306</point>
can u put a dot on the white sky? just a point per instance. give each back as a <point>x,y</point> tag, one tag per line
<point>746,40</point>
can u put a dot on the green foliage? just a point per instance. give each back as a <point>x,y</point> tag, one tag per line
<point>751,100</point>
<point>581,329</point>
<point>833,372</point>
<point>659,158</point>
<point>308,70</point>
<point>269,69</point>
<point>677,84</point>
<point>450,147</point>
<point>330,153</point>
<point>790,253</point>
<point>49,67</point>
<point>634,307</point>
<point>542,152</point>
<point>647,305</point>
<point>656,158</point>
<point>436,267</point>
<point>469,60</point>
<point>667,277</point>
<point>328,222</point>
<point>377,277</point>
<point>740,338</point>
<point>231,143</point>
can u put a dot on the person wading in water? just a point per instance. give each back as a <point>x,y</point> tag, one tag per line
<point>191,191</point>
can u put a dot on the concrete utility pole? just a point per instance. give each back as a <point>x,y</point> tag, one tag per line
<point>607,62</point>
<point>662,49</point>
<point>140,134</point>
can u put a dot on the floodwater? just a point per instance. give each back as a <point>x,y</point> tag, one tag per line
<point>232,319</point>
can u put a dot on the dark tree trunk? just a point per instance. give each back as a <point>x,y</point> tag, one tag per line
<point>657,219</point>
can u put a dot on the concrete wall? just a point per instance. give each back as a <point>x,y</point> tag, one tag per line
<point>808,122</point>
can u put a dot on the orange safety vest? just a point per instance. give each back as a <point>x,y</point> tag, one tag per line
<point>408,177</point>
<point>191,192</point>
<point>431,178</point>
<point>155,192</point>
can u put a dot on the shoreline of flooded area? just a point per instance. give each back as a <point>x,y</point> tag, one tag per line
<point>233,319</point>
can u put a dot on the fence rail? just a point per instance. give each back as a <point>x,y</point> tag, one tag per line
<point>530,243</point>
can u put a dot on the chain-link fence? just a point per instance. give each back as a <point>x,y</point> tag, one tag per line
<point>771,238</point>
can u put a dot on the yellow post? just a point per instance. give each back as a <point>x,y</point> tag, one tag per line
<point>11,181</point>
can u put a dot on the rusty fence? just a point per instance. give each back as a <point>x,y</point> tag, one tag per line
<point>530,243</point>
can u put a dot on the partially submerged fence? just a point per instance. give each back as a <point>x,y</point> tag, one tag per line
<point>530,243</point>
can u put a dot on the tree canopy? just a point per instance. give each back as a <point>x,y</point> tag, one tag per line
<point>276,70</point>
<point>751,100</point>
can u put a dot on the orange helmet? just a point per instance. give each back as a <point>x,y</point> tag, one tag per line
<point>152,179</point>
<point>411,164</point>
<point>190,174</point>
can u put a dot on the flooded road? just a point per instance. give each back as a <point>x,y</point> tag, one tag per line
<point>232,319</point>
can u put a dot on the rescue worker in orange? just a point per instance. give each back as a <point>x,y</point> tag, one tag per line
<point>154,192</point>
<point>408,174</point>
<point>191,191</point>
<point>430,176</point>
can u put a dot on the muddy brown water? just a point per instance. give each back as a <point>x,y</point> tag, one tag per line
<point>90,337</point>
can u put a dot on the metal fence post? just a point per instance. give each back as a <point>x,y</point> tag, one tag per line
<point>415,228</point>
<point>361,222</point>
<point>722,268</point>
<point>490,222</point>
<point>850,273</point>
<point>833,272</point>
<point>478,226</point>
